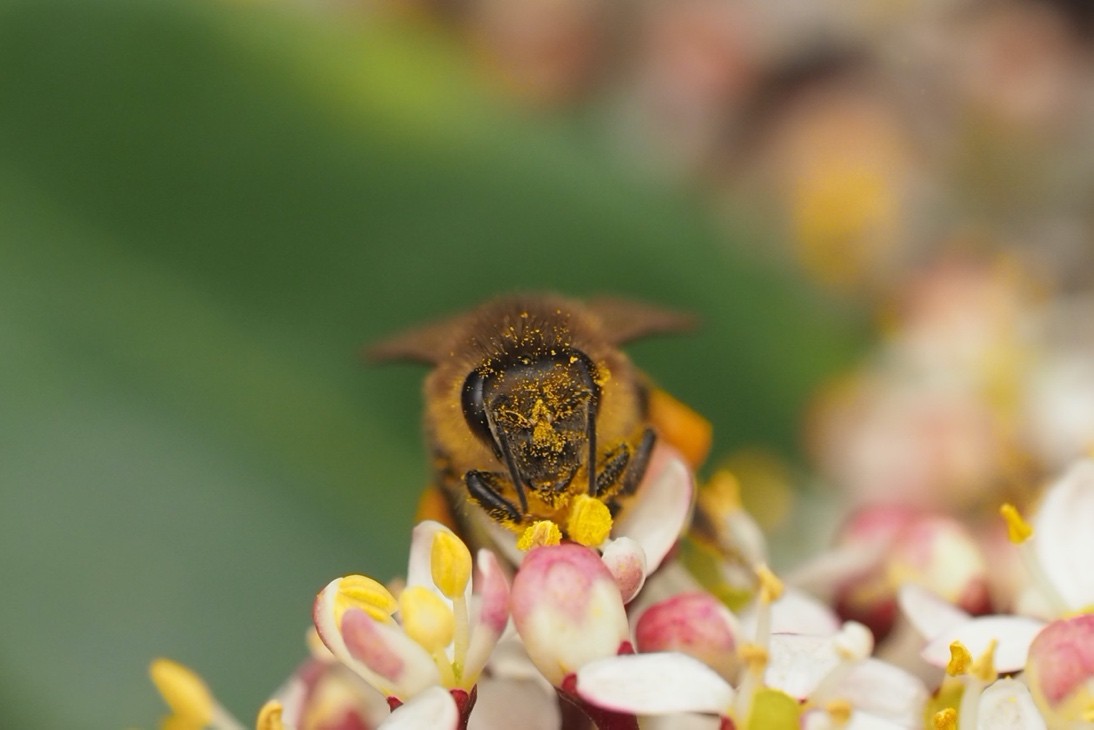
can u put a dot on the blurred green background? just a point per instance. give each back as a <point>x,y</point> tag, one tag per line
<point>205,209</point>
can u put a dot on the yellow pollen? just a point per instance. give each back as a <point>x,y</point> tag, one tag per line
<point>770,585</point>
<point>269,717</point>
<point>960,659</point>
<point>984,667</point>
<point>1088,714</point>
<point>1018,530</point>
<point>450,564</point>
<point>358,591</point>
<point>183,691</point>
<point>755,656</point>
<point>945,719</point>
<point>539,534</point>
<point>426,618</point>
<point>840,711</point>
<point>590,521</point>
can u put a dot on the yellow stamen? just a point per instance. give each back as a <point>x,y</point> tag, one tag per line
<point>1018,530</point>
<point>984,666</point>
<point>184,692</point>
<point>426,618</point>
<point>755,658</point>
<point>590,521</point>
<point>539,534</point>
<point>450,564</point>
<point>840,711</point>
<point>269,717</point>
<point>945,719</point>
<point>358,591</point>
<point>960,659</point>
<point>721,496</point>
<point>771,588</point>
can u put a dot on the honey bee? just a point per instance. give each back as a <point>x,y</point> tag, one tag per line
<point>530,402</point>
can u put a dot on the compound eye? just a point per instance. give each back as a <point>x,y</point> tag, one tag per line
<point>474,408</point>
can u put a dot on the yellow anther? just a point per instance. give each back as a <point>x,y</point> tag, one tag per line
<point>590,521</point>
<point>450,564</point>
<point>721,496</point>
<point>755,657</point>
<point>184,692</point>
<point>984,666</point>
<point>269,717</point>
<point>945,719</point>
<point>1018,530</point>
<point>771,588</point>
<point>960,659</point>
<point>539,534</point>
<point>358,591</point>
<point>840,711</point>
<point>1088,714</point>
<point>426,618</point>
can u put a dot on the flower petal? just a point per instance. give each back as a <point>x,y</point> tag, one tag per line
<point>661,507</point>
<point>885,692</point>
<point>381,654</point>
<point>1014,634</point>
<point>654,684</point>
<point>1007,705</point>
<point>626,561</point>
<point>491,613</point>
<point>797,663</point>
<point>928,613</point>
<point>433,708</point>
<point>1062,538</point>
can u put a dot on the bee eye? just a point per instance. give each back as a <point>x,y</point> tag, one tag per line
<point>474,407</point>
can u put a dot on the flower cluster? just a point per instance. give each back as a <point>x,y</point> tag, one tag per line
<point>569,634</point>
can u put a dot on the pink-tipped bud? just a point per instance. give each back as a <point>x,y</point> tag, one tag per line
<point>693,623</point>
<point>567,609</point>
<point>1060,669</point>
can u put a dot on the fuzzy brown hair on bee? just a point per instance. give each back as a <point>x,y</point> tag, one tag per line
<point>531,402</point>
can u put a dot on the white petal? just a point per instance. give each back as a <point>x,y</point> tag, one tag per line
<point>1014,634</point>
<point>796,612</point>
<point>930,614</point>
<point>654,684</point>
<point>513,703</point>
<point>1007,705</point>
<point>661,507</point>
<point>885,691</point>
<point>798,663</point>
<point>433,708</point>
<point>1062,538</point>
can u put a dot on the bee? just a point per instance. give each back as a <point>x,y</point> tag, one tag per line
<point>530,402</point>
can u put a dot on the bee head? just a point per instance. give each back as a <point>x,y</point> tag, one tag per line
<point>538,414</point>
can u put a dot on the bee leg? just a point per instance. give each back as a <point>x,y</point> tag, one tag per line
<point>483,488</point>
<point>613,468</point>
<point>637,468</point>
